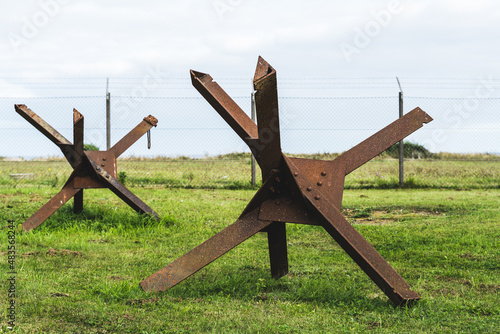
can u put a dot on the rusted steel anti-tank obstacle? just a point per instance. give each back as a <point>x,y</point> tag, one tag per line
<point>294,190</point>
<point>91,169</point>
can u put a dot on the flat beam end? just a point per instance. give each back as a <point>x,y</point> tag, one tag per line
<point>151,120</point>
<point>76,116</point>
<point>263,69</point>
<point>20,107</point>
<point>154,284</point>
<point>424,116</point>
<point>200,77</point>
<point>407,300</point>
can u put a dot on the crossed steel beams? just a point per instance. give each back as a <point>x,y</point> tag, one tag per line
<point>295,190</point>
<point>92,169</point>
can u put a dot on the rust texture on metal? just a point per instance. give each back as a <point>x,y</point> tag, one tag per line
<point>294,190</point>
<point>151,120</point>
<point>91,169</point>
<point>130,138</point>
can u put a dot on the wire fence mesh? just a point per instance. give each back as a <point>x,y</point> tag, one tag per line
<point>192,146</point>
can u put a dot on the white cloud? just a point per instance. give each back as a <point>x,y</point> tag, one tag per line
<point>123,37</point>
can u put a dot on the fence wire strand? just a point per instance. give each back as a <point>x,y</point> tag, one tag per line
<point>194,147</point>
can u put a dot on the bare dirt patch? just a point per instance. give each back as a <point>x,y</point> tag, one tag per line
<point>99,241</point>
<point>30,254</point>
<point>369,216</point>
<point>141,302</point>
<point>371,221</point>
<point>466,282</point>
<point>59,294</point>
<point>62,252</point>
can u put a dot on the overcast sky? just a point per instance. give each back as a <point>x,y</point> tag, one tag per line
<point>319,38</point>
<point>301,39</point>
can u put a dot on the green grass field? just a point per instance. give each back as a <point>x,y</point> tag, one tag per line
<point>81,273</point>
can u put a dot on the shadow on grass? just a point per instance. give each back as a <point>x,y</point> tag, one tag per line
<point>100,219</point>
<point>248,284</point>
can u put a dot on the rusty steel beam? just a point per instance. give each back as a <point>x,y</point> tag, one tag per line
<point>92,169</point>
<point>360,250</point>
<point>246,226</point>
<point>121,191</point>
<point>41,125</point>
<point>266,104</point>
<point>385,138</point>
<point>134,135</point>
<point>237,119</point>
<point>66,193</point>
<point>78,136</point>
<point>78,202</point>
<point>294,190</point>
<point>65,145</point>
<point>276,241</point>
<point>267,151</point>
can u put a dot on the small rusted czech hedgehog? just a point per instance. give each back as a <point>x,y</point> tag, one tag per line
<point>92,169</point>
<point>294,190</point>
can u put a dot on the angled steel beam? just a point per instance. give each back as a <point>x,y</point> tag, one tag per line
<point>295,190</point>
<point>134,135</point>
<point>385,138</point>
<point>224,105</point>
<point>66,193</point>
<point>121,191</point>
<point>360,250</point>
<point>41,125</point>
<point>65,145</point>
<point>246,226</point>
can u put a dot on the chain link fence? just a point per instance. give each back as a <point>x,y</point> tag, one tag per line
<point>193,147</point>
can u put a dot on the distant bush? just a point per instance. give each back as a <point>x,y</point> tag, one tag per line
<point>122,177</point>
<point>90,147</point>
<point>233,156</point>
<point>411,151</point>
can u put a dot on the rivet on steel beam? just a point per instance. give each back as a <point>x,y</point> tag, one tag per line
<point>317,197</point>
<point>319,183</point>
<point>309,188</point>
<point>323,173</point>
<point>103,165</point>
<point>103,159</point>
<point>295,173</point>
<point>98,168</point>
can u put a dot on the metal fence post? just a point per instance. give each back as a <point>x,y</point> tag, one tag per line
<point>253,119</point>
<point>108,116</point>
<point>401,143</point>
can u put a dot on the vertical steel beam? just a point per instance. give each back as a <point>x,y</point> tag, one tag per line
<point>266,104</point>
<point>252,156</point>
<point>276,239</point>
<point>78,202</point>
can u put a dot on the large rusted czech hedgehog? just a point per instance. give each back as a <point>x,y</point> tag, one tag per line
<point>294,190</point>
